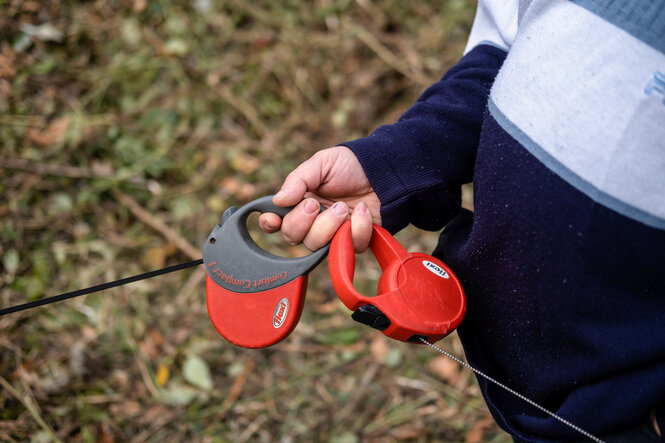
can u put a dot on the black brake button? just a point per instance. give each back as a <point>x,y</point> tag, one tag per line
<point>370,315</point>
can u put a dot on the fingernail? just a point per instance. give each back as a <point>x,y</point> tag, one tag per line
<point>340,208</point>
<point>361,208</point>
<point>279,195</point>
<point>311,207</point>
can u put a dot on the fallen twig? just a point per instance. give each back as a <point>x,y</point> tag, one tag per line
<point>170,234</point>
<point>236,387</point>
<point>387,56</point>
<point>29,405</point>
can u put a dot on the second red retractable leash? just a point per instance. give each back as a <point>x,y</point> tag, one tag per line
<point>255,298</point>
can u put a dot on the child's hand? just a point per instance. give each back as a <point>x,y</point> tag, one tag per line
<point>334,178</point>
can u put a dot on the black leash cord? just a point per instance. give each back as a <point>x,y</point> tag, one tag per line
<point>103,286</point>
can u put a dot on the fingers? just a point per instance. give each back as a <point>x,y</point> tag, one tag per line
<point>305,177</point>
<point>361,228</point>
<point>328,176</point>
<point>325,225</point>
<point>304,224</point>
<point>299,220</point>
<point>269,222</point>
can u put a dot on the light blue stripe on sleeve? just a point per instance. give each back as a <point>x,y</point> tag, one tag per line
<point>643,19</point>
<point>571,177</point>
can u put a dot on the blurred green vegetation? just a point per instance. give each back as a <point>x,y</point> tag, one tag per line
<point>126,128</point>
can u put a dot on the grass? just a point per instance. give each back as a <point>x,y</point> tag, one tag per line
<point>126,128</point>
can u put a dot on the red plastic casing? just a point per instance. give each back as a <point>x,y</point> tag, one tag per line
<point>418,293</point>
<point>258,319</point>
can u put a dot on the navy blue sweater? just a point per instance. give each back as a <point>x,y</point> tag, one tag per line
<point>566,297</point>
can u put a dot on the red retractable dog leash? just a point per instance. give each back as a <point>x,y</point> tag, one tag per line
<point>255,298</point>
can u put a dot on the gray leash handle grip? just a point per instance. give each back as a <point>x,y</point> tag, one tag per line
<point>235,262</point>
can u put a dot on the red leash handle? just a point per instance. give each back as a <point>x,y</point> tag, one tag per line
<point>254,298</point>
<point>418,296</point>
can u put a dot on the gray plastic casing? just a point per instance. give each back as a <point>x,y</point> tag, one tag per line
<point>235,262</point>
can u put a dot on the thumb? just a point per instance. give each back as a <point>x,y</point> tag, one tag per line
<point>306,177</point>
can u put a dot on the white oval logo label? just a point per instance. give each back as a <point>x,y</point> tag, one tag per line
<point>279,315</point>
<point>436,269</point>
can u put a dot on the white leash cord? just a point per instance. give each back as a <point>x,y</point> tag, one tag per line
<point>512,391</point>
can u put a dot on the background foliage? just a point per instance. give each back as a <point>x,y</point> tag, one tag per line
<point>126,128</point>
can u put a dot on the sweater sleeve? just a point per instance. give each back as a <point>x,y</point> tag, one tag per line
<point>418,164</point>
